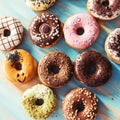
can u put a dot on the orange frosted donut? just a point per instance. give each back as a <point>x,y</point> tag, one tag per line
<point>20,66</point>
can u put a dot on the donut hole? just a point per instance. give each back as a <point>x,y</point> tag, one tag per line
<point>7,32</point>
<point>105,3</point>
<point>80,31</point>
<point>39,102</point>
<point>45,28</point>
<point>53,69</point>
<point>92,69</point>
<point>18,66</point>
<point>80,106</point>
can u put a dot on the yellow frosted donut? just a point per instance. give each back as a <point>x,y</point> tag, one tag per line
<point>39,5</point>
<point>20,66</point>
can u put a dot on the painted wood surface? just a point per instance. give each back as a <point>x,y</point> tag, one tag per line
<point>10,93</point>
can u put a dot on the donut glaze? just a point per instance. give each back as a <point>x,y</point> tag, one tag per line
<point>112,45</point>
<point>104,9</point>
<point>55,69</point>
<point>11,33</point>
<point>45,30</point>
<point>20,66</point>
<point>92,68</point>
<point>39,5</point>
<point>39,102</point>
<point>76,24</point>
<point>80,104</point>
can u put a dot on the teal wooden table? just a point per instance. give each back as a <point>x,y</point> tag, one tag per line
<point>10,94</point>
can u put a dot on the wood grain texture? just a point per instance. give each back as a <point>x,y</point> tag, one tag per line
<point>10,94</point>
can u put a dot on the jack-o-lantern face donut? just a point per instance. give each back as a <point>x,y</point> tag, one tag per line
<point>20,66</point>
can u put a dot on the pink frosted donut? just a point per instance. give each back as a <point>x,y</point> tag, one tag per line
<point>81,31</point>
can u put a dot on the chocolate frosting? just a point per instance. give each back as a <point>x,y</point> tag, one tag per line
<point>83,72</point>
<point>80,97</point>
<point>55,69</point>
<point>45,29</point>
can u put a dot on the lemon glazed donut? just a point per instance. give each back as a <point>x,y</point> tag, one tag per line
<point>80,104</point>
<point>80,31</point>
<point>40,5</point>
<point>20,66</point>
<point>39,101</point>
<point>112,45</point>
<point>55,69</point>
<point>92,68</point>
<point>45,30</point>
<point>11,33</point>
<point>104,9</point>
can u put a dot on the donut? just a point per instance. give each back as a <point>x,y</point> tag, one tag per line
<point>92,68</point>
<point>11,33</point>
<point>45,30</point>
<point>104,9</point>
<point>80,31</point>
<point>39,5</point>
<point>55,69</point>
<point>80,104</point>
<point>20,66</point>
<point>39,102</point>
<point>112,45</point>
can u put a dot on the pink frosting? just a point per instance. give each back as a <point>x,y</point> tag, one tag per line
<point>91,31</point>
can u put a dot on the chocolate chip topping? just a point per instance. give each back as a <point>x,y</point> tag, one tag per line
<point>13,56</point>
<point>114,41</point>
<point>55,69</point>
<point>104,9</point>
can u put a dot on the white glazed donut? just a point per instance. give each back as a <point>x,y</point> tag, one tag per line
<point>112,45</point>
<point>39,5</point>
<point>11,33</point>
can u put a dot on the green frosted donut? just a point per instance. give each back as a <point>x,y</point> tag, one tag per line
<point>39,101</point>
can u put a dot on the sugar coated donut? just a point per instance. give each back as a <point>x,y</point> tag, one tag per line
<point>92,68</point>
<point>39,5</point>
<point>11,33</point>
<point>112,45</point>
<point>80,31</point>
<point>80,104</point>
<point>45,30</point>
<point>104,9</point>
<point>20,66</point>
<point>39,102</point>
<point>55,69</point>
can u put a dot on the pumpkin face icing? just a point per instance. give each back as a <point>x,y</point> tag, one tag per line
<point>20,66</point>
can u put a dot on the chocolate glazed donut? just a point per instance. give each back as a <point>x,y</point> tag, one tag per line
<point>45,30</point>
<point>55,69</point>
<point>92,68</point>
<point>80,104</point>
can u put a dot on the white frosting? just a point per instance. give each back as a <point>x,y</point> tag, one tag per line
<point>109,40</point>
<point>113,4</point>
<point>16,33</point>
